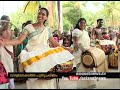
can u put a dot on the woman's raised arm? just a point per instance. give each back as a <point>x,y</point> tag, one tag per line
<point>15,41</point>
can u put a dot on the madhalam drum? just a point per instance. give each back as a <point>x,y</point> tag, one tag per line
<point>113,59</point>
<point>107,46</point>
<point>91,56</point>
<point>64,67</point>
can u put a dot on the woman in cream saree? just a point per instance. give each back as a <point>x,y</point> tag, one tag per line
<point>39,57</point>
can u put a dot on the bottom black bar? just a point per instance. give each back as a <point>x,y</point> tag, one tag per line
<point>60,75</point>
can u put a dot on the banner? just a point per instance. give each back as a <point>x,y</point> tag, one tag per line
<point>77,75</point>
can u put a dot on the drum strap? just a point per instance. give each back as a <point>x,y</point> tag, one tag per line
<point>10,53</point>
<point>57,83</point>
<point>78,66</point>
<point>99,64</point>
<point>57,79</point>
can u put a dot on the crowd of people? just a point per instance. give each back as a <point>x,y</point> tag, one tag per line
<point>38,49</point>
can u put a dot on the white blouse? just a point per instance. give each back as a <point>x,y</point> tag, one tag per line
<point>83,38</point>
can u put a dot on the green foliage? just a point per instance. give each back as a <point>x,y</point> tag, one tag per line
<point>89,16</point>
<point>66,24</point>
<point>70,14</point>
<point>18,18</point>
<point>72,11</point>
<point>43,3</point>
<point>111,12</point>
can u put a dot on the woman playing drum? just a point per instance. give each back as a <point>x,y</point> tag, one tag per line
<point>39,57</point>
<point>81,43</point>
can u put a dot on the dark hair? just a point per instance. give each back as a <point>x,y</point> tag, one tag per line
<point>29,22</point>
<point>77,25</point>
<point>5,25</point>
<point>99,20</point>
<point>4,17</point>
<point>23,25</point>
<point>47,12</point>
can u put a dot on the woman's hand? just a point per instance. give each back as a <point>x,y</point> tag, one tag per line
<point>71,50</point>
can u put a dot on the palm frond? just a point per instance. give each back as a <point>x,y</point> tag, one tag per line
<point>32,6</point>
<point>26,6</point>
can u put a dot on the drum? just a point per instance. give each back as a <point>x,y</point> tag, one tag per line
<point>91,58</point>
<point>106,45</point>
<point>61,68</point>
<point>113,59</point>
<point>108,49</point>
<point>98,46</point>
<point>106,42</point>
<point>64,67</point>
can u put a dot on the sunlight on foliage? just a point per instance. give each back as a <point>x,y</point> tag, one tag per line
<point>71,12</point>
